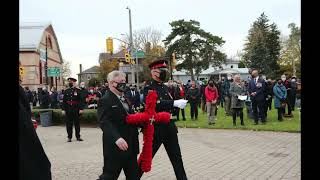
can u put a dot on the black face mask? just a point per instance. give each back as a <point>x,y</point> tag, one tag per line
<point>163,75</point>
<point>211,84</point>
<point>70,84</point>
<point>121,87</point>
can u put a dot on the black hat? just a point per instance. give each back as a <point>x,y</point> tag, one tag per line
<point>72,79</point>
<point>158,64</point>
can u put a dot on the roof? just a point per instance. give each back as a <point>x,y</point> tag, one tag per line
<point>108,56</point>
<point>31,33</point>
<point>92,70</point>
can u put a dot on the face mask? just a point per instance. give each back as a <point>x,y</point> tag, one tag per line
<point>279,83</point>
<point>70,84</point>
<point>211,84</point>
<point>91,91</point>
<point>293,80</point>
<point>82,86</point>
<point>283,79</point>
<point>229,78</point>
<point>121,87</point>
<point>163,75</point>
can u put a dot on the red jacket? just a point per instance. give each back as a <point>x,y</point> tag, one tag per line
<point>211,94</point>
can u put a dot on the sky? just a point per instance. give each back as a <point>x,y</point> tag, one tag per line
<point>81,26</point>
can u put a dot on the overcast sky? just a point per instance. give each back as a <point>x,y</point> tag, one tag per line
<point>82,26</point>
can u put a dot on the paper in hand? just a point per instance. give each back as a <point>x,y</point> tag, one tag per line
<point>242,98</point>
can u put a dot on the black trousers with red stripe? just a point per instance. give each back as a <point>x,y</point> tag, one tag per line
<point>72,118</point>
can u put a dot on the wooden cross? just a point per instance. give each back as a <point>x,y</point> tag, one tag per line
<point>147,119</point>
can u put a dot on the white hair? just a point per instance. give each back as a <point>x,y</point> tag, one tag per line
<point>112,75</point>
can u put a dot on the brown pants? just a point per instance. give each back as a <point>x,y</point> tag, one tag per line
<point>211,108</point>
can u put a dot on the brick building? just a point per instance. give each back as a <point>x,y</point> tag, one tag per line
<point>35,38</point>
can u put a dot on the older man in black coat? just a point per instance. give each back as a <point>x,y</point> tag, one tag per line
<point>120,140</point>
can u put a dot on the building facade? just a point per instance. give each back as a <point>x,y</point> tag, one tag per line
<point>229,67</point>
<point>35,39</point>
<point>86,75</point>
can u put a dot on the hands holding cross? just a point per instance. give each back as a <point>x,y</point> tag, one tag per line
<point>147,118</point>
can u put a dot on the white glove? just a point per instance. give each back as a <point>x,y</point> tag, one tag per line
<point>181,103</point>
<point>63,113</point>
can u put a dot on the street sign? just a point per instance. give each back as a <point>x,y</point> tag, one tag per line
<point>53,72</point>
<point>138,54</point>
<point>42,55</point>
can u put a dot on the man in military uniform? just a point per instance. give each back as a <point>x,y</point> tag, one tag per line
<point>165,134</point>
<point>72,107</point>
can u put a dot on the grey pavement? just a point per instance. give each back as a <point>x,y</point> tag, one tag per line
<point>208,154</point>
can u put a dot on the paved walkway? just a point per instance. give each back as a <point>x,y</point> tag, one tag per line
<point>207,155</point>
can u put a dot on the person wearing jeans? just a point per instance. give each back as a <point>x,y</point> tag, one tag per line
<point>280,95</point>
<point>211,93</point>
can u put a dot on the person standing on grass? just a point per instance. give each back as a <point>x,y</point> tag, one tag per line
<point>236,89</point>
<point>211,93</point>
<point>293,92</point>
<point>180,94</point>
<point>203,97</point>
<point>193,97</point>
<point>256,90</point>
<point>221,92</point>
<point>286,82</point>
<point>227,96</point>
<point>280,95</point>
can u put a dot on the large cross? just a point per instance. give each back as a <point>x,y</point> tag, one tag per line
<point>146,119</point>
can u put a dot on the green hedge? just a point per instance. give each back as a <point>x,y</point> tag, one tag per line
<point>88,117</point>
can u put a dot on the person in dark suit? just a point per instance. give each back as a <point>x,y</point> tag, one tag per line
<point>193,97</point>
<point>44,98</point>
<point>33,161</point>
<point>256,91</point>
<point>165,134</point>
<point>133,96</point>
<point>120,140</point>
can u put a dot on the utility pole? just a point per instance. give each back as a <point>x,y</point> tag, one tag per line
<point>131,46</point>
<point>46,64</point>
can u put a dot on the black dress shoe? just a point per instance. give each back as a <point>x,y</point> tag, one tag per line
<point>69,140</point>
<point>79,139</point>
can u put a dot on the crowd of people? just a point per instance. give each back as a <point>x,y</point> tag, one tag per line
<point>115,100</point>
<point>206,95</point>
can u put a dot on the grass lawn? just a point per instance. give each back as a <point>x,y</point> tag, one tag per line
<point>225,122</point>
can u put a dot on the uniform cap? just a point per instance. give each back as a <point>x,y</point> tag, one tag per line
<point>158,64</point>
<point>72,79</point>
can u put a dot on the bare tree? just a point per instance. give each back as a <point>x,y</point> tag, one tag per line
<point>144,36</point>
<point>65,69</point>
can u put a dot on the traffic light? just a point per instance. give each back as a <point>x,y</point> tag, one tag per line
<point>109,42</point>
<point>127,57</point>
<point>21,71</point>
